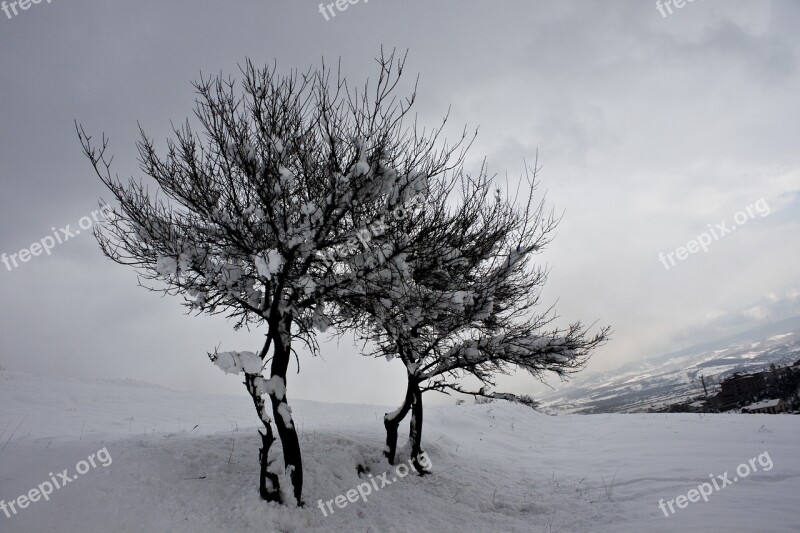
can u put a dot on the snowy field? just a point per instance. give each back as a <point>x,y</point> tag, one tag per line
<point>180,462</point>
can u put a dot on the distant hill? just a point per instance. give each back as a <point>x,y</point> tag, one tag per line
<point>675,377</point>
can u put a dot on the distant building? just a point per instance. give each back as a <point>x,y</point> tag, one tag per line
<point>766,407</point>
<point>744,389</point>
<point>737,389</point>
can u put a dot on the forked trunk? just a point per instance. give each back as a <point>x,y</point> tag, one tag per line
<point>392,423</point>
<point>280,408</point>
<point>415,432</point>
<point>268,483</point>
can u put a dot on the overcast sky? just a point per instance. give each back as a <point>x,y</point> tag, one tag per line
<point>650,129</point>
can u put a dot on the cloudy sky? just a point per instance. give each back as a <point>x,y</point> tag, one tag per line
<point>651,131</point>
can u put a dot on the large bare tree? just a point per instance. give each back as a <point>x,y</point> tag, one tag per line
<point>281,174</point>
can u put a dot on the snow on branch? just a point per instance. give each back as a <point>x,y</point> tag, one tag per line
<point>237,362</point>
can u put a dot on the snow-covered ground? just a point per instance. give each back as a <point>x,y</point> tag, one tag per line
<point>188,463</point>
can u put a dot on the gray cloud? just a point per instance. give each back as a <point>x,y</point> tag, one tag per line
<point>648,129</point>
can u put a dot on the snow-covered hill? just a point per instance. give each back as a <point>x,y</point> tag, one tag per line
<point>187,463</point>
<point>675,377</point>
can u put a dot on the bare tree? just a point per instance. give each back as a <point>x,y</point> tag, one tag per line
<point>465,305</point>
<point>285,172</point>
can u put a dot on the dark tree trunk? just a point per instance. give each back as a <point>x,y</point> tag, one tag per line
<point>288,433</point>
<point>392,423</point>
<point>415,432</point>
<point>269,484</point>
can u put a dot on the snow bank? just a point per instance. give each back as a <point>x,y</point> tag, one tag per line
<point>497,467</point>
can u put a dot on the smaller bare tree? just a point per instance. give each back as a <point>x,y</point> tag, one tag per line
<point>465,304</point>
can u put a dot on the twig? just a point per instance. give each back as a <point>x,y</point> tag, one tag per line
<point>13,432</point>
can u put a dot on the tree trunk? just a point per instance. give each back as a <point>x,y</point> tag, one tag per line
<point>286,428</point>
<point>415,432</point>
<point>392,423</point>
<point>268,483</point>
